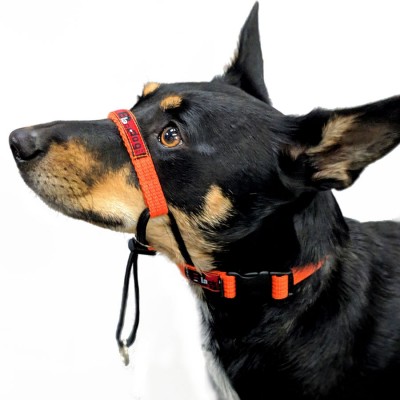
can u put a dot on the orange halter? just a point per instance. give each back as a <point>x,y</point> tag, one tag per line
<point>226,284</point>
<point>281,283</point>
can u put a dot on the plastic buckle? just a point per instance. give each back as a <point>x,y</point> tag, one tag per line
<point>255,283</point>
<point>259,284</point>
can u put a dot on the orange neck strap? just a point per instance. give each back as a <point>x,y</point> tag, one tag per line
<point>226,283</point>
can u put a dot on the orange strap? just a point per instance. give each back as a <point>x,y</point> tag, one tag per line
<point>215,281</point>
<point>281,284</point>
<point>225,283</point>
<point>141,159</point>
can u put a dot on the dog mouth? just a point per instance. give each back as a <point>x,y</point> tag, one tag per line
<point>107,200</point>
<point>74,181</point>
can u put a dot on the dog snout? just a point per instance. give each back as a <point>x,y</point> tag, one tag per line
<point>24,143</point>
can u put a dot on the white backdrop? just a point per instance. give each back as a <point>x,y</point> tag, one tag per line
<point>60,279</point>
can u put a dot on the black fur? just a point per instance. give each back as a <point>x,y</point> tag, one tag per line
<point>338,335</point>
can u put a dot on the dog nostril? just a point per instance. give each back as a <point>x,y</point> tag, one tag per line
<point>24,144</point>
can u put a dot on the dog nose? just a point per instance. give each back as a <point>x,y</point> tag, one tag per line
<point>24,144</point>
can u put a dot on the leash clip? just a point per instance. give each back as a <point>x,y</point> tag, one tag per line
<point>124,352</point>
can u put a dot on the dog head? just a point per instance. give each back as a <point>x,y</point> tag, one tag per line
<point>225,157</point>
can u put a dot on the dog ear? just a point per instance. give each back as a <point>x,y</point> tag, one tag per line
<point>329,149</point>
<point>247,68</point>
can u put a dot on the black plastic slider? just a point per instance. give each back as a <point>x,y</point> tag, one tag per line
<point>139,248</point>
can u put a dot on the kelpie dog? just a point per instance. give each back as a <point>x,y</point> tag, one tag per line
<point>295,299</point>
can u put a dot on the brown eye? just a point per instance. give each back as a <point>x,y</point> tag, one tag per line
<point>170,137</point>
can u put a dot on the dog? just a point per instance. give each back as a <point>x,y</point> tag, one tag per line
<point>295,298</point>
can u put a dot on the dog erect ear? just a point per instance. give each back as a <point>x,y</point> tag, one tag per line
<point>330,149</point>
<point>247,69</point>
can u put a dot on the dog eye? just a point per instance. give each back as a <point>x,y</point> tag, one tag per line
<point>170,137</point>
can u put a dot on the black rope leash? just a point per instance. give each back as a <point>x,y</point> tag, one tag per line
<point>138,246</point>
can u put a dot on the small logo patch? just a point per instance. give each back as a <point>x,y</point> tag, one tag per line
<point>133,134</point>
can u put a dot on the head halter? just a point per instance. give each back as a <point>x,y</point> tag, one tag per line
<point>280,284</point>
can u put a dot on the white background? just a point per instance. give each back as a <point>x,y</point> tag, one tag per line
<point>60,279</point>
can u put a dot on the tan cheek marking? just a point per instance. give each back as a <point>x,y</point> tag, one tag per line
<point>169,102</point>
<point>159,234</point>
<point>72,154</point>
<point>64,169</point>
<point>112,196</point>
<point>150,88</point>
<point>64,173</point>
<point>217,207</point>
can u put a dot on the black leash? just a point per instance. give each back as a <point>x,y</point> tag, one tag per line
<point>138,246</point>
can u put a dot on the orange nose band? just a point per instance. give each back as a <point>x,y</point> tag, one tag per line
<point>141,159</point>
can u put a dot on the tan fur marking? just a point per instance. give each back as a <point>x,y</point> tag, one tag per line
<point>333,164</point>
<point>62,172</point>
<point>232,61</point>
<point>217,207</point>
<point>150,88</point>
<point>333,133</point>
<point>62,180</point>
<point>172,101</point>
<point>114,197</point>
<point>338,172</point>
<point>68,154</point>
<point>295,151</point>
<point>160,236</point>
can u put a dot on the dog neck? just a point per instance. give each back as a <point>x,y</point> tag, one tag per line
<point>303,232</point>
<point>298,239</point>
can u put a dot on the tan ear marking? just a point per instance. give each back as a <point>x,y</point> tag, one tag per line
<point>150,88</point>
<point>338,172</point>
<point>169,102</point>
<point>332,164</point>
<point>333,132</point>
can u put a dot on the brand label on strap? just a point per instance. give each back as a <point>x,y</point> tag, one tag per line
<point>129,131</point>
<point>209,281</point>
<point>132,132</point>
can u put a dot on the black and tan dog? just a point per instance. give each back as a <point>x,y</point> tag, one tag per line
<point>316,308</point>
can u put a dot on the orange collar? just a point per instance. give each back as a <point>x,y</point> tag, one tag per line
<point>280,284</point>
<point>228,284</point>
